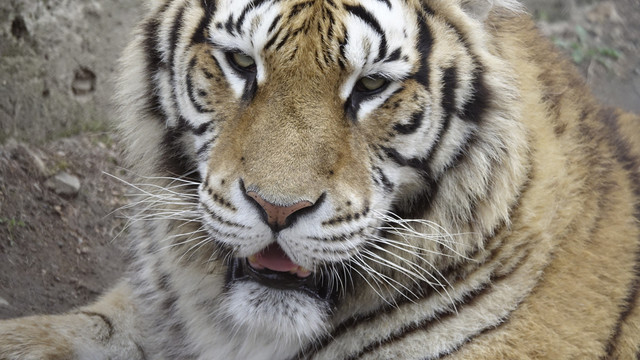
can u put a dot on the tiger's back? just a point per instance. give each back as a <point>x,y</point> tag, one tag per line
<point>373,180</point>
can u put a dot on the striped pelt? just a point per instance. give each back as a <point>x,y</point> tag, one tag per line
<point>379,179</point>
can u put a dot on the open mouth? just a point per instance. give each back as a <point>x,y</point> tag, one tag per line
<point>273,268</point>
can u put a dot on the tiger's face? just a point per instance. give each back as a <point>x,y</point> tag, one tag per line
<point>320,130</point>
<point>295,165</point>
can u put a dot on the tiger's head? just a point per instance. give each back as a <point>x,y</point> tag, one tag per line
<point>321,158</point>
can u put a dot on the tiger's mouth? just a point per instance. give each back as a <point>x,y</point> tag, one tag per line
<point>272,268</point>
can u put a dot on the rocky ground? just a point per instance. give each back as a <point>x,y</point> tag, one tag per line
<point>59,224</point>
<point>59,243</point>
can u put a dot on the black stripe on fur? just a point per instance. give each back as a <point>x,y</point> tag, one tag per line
<point>192,97</point>
<point>468,299</point>
<point>364,15</point>
<point>424,45</point>
<point>630,163</point>
<point>174,36</point>
<point>200,36</point>
<point>153,64</point>
<point>475,109</point>
<point>413,125</point>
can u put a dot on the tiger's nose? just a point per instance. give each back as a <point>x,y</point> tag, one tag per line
<point>279,217</point>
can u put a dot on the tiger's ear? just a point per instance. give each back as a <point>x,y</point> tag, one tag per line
<point>479,9</point>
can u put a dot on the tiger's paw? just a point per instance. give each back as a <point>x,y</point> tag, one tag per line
<point>81,335</point>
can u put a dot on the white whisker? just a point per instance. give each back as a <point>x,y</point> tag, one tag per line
<point>377,259</point>
<point>361,262</point>
<point>435,283</point>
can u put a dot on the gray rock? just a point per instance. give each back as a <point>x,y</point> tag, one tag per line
<point>64,183</point>
<point>28,156</point>
<point>4,303</point>
<point>36,160</point>
<point>39,164</point>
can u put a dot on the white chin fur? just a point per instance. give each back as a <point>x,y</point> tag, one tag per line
<point>283,321</point>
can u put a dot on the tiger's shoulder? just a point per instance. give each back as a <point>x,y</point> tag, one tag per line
<point>581,204</point>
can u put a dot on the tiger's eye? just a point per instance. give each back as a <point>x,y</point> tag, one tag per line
<point>242,60</point>
<point>371,83</point>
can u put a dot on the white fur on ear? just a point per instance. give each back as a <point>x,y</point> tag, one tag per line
<point>479,9</point>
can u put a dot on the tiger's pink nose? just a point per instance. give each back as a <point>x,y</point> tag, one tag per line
<point>278,217</point>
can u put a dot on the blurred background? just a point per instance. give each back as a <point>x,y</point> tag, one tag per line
<point>59,243</point>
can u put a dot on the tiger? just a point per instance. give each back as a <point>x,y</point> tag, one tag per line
<point>350,179</point>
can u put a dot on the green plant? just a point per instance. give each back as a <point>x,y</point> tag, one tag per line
<point>581,50</point>
<point>11,225</point>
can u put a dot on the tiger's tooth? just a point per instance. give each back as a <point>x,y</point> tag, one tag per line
<point>253,262</point>
<point>302,272</point>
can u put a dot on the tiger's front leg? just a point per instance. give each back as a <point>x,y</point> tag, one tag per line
<point>105,330</point>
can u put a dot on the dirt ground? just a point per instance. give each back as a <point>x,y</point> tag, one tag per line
<point>59,226</point>
<point>603,38</point>
<point>58,248</point>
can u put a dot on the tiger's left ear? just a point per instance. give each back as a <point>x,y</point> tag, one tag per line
<point>479,9</point>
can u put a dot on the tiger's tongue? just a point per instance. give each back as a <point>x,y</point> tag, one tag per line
<point>274,258</point>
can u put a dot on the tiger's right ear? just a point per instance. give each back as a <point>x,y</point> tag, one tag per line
<point>480,9</point>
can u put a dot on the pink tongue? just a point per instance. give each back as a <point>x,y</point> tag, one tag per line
<point>274,258</point>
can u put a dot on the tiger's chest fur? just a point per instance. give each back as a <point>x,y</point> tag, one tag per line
<point>366,180</point>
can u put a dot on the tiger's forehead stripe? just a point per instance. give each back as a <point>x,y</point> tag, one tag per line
<point>379,41</point>
<point>247,21</point>
<point>364,15</point>
<point>243,26</point>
